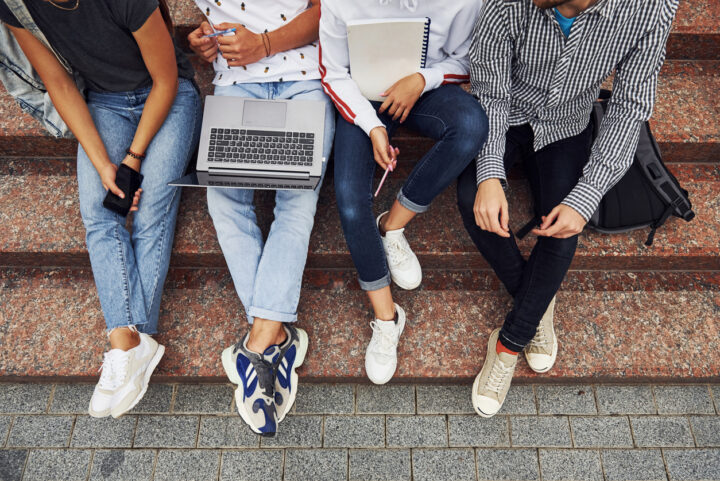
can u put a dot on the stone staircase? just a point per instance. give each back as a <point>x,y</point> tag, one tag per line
<point>625,312</point>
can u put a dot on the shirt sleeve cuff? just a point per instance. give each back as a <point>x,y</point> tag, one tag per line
<point>490,168</point>
<point>433,78</point>
<point>584,198</point>
<point>368,121</point>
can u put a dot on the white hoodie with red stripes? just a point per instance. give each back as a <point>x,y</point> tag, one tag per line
<point>451,28</point>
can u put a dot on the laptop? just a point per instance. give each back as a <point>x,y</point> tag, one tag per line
<point>259,144</point>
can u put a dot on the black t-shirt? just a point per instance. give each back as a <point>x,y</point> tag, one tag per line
<point>96,39</point>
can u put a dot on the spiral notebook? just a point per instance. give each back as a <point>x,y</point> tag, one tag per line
<point>383,51</point>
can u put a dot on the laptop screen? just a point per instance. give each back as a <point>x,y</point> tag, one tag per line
<point>264,114</point>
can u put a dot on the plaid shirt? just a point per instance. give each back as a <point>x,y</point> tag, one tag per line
<point>524,70</point>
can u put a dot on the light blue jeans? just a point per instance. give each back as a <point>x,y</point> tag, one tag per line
<point>130,269</point>
<point>268,275</point>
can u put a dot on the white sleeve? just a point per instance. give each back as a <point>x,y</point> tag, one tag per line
<point>335,73</point>
<point>455,68</point>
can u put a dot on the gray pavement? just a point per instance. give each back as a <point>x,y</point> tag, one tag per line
<point>367,433</point>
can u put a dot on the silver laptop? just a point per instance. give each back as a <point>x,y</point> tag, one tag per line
<point>259,144</point>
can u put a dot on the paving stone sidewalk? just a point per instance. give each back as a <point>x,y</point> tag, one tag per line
<point>367,433</point>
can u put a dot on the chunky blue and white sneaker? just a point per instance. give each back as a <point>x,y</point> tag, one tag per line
<point>255,378</point>
<point>290,356</point>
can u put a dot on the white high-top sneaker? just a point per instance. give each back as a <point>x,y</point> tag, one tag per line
<point>131,371</point>
<point>404,266</point>
<point>543,348</point>
<point>381,353</point>
<point>493,382</point>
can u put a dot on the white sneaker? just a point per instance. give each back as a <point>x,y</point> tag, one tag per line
<point>381,353</point>
<point>114,364</point>
<point>543,348</point>
<point>125,378</point>
<point>403,264</point>
<point>492,384</point>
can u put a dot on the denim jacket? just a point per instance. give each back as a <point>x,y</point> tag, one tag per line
<point>24,84</point>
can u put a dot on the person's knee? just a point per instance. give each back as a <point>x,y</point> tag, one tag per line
<point>560,248</point>
<point>469,130</point>
<point>297,212</point>
<point>350,204</point>
<point>98,219</point>
<point>349,208</point>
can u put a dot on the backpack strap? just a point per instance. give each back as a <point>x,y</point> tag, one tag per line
<point>653,228</point>
<point>18,8</point>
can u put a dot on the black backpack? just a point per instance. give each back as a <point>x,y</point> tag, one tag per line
<point>646,196</point>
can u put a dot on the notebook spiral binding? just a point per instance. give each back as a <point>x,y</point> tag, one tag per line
<point>426,41</point>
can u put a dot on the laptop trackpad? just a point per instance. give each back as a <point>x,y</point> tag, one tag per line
<point>264,114</point>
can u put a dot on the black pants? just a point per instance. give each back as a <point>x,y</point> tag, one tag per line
<point>552,173</point>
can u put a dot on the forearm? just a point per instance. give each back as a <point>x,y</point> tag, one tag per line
<point>157,106</point>
<point>301,31</point>
<point>74,111</point>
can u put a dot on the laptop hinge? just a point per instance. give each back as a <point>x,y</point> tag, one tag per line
<point>260,173</point>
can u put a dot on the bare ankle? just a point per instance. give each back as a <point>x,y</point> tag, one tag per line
<point>124,338</point>
<point>385,315</point>
<point>381,224</point>
<point>265,333</point>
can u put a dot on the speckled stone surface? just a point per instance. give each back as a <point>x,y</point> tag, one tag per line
<point>604,334</point>
<point>52,234</point>
<point>625,311</point>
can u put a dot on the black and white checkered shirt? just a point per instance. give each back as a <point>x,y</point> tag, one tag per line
<point>524,70</point>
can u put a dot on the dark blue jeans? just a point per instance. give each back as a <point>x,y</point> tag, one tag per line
<point>447,114</point>
<point>552,173</point>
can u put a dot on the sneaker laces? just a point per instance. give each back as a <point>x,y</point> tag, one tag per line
<point>387,341</point>
<point>397,251</point>
<point>540,340</point>
<point>264,370</point>
<point>113,370</point>
<point>497,377</point>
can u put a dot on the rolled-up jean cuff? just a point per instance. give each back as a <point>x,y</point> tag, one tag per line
<point>283,317</point>
<point>410,205</point>
<point>375,285</point>
<point>136,325</point>
<point>509,343</point>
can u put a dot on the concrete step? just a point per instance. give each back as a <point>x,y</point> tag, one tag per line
<point>611,326</point>
<point>42,225</point>
<point>684,120</point>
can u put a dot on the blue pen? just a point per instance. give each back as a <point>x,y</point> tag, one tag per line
<point>217,34</point>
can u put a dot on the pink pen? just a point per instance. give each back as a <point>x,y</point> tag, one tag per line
<point>387,171</point>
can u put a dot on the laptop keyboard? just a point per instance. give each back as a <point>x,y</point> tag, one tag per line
<point>261,147</point>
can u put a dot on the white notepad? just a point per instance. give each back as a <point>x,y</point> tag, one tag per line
<point>383,51</point>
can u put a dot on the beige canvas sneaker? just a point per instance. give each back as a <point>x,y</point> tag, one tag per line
<point>492,384</point>
<point>543,348</point>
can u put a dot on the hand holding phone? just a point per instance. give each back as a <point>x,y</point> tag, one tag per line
<point>128,180</point>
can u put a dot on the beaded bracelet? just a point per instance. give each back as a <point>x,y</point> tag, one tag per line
<point>134,155</point>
